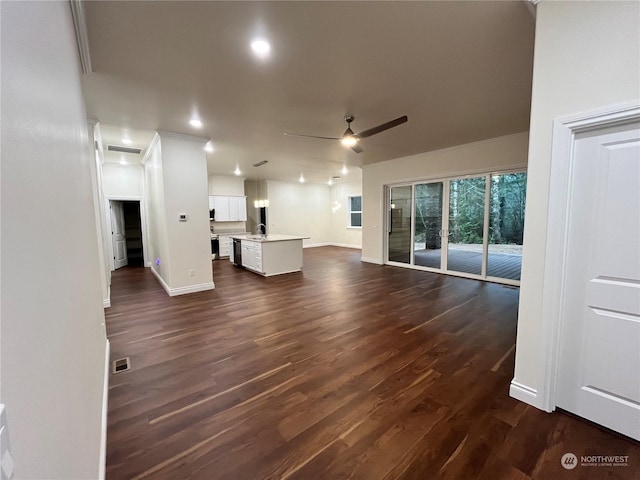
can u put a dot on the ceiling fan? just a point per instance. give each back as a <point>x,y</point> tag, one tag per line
<point>351,139</point>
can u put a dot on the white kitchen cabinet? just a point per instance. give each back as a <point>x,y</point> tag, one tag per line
<point>252,255</point>
<point>229,209</point>
<point>224,243</point>
<point>221,204</point>
<point>241,204</point>
<point>212,200</point>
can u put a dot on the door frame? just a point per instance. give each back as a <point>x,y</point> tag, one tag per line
<point>143,226</point>
<point>565,130</point>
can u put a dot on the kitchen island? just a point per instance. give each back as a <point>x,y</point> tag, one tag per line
<point>267,255</point>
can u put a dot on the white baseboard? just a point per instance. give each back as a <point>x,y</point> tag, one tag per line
<point>371,260</point>
<point>105,407</point>
<point>315,245</point>
<point>523,393</point>
<point>332,244</point>
<point>172,292</point>
<point>106,302</point>
<point>201,287</point>
<point>347,245</point>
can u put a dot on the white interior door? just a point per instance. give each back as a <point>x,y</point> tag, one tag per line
<point>599,360</point>
<point>118,237</point>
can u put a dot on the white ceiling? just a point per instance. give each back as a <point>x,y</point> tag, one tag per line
<point>461,71</point>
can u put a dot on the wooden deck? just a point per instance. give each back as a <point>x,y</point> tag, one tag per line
<point>499,265</point>
<point>344,370</point>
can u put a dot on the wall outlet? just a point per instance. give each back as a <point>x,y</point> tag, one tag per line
<point>192,273</point>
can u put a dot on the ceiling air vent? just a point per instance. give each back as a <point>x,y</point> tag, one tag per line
<point>118,148</point>
<point>261,162</point>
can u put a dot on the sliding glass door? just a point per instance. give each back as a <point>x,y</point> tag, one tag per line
<point>506,225</point>
<point>399,224</point>
<point>465,246</point>
<point>468,226</point>
<point>427,240</point>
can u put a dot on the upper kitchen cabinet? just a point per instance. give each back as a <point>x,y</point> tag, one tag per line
<point>229,209</point>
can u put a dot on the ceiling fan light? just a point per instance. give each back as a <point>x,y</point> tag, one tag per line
<point>349,141</point>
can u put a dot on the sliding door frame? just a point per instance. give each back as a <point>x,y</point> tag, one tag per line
<point>446,181</point>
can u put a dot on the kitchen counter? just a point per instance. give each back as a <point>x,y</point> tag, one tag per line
<point>267,255</point>
<point>272,237</point>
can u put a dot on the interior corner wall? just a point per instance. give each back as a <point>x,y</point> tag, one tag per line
<point>299,209</point>
<point>340,232</point>
<point>184,167</point>
<point>53,344</point>
<point>502,153</point>
<point>98,203</point>
<point>157,242</point>
<point>587,56</point>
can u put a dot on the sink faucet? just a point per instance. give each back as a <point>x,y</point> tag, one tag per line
<point>259,229</point>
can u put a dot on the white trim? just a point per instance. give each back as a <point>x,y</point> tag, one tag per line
<point>105,407</point>
<point>172,292</point>
<point>371,260</point>
<point>346,245</point>
<point>152,145</point>
<point>314,245</point>
<point>106,302</point>
<point>82,38</point>
<point>523,393</point>
<point>562,159</point>
<point>333,244</point>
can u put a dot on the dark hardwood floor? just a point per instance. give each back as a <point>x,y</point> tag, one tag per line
<point>345,370</point>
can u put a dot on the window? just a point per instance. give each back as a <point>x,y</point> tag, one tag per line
<point>355,211</point>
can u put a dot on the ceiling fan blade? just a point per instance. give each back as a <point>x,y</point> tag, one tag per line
<point>385,126</point>
<point>357,149</point>
<point>312,136</point>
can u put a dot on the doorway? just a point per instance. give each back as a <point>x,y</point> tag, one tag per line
<point>126,233</point>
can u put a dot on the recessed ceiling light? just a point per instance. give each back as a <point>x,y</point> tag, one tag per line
<point>344,170</point>
<point>237,171</point>
<point>123,161</point>
<point>127,141</point>
<point>261,47</point>
<point>330,182</point>
<point>196,123</point>
<point>209,147</point>
<point>301,180</point>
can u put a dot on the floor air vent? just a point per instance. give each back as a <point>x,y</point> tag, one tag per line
<point>121,365</point>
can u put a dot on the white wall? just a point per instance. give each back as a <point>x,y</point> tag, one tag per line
<point>53,342</point>
<point>299,209</point>
<point>488,155</point>
<point>184,167</point>
<point>122,181</point>
<point>226,185</point>
<point>587,56</point>
<point>99,212</point>
<point>157,240</point>
<point>340,234</point>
